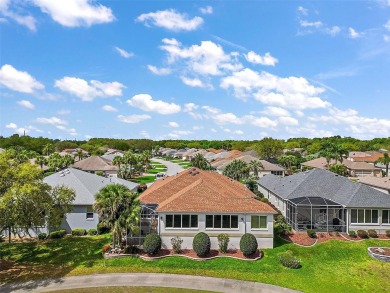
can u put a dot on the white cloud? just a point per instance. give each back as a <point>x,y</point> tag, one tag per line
<point>20,81</point>
<point>70,131</point>
<point>386,38</point>
<point>109,108</point>
<point>305,23</point>
<point>189,107</point>
<point>179,133</point>
<point>124,53</point>
<point>275,111</point>
<point>213,130</point>
<point>52,120</point>
<point>353,34</point>
<point>302,10</point>
<point>239,132</point>
<point>63,112</point>
<point>387,25</point>
<point>26,104</point>
<point>192,82</point>
<point>290,121</point>
<point>267,59</point>
<point>145,102</point>
<point>262,122</point>
<point>88,91</point>
<point>333,31</point>
<point>74,13</point>
<point>144,134</point>
<point>173,124</point>
<point>11,126</point>
<point>290,92</point>
<point>159,71</point>
<point>224,118</point>
<point>206,10</point>
<point>205,59</point>
<point>19,130</point>
<point>133,118</point>
<point>26,20</point>
<point>171,20</point>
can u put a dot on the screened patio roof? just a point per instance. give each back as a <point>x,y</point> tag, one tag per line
<point>313,201</point>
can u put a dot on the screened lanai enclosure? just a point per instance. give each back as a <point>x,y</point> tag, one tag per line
<point>316,213</point>
<point>148,224</point>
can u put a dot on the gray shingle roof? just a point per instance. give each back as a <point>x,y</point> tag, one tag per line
<point>323,183</point>
<point>85,184</point>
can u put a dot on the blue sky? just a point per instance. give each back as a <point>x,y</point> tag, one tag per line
<point>77,69</point>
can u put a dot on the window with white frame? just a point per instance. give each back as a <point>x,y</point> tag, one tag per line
<point>364,216</point>
<point>222,221</point>
<point>89,215</point>
<point>181,221</point>
<point>258,222</point>
<point>386,216</point>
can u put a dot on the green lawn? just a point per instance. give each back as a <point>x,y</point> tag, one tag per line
<point>143,179</point>
<point>131,290</point>
<point>333,266</point>
<point>155,171</point>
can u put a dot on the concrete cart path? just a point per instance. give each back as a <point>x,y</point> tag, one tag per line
<point>172,168</point>
<point>144,279</point>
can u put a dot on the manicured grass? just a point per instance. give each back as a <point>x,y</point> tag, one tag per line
<point>155,171</point>
<point>332,266</point>
<point>131,290</point>
<point>143,179</point>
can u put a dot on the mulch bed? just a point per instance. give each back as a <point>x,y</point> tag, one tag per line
<point>302,238</point>
<point>323,236</point>
<point>213,253</point>
<point>381,251</point>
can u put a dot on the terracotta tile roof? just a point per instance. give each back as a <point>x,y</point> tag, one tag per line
<point>196,190</point>
<point>381,182</point>
<point>321,163</point>
<point>369,159</point>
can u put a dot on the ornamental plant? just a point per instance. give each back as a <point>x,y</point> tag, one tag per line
<point>223,242</point>
<point>176,244</point>
<point>288,260</point>
<point>152,243</point>
<point>248,244</point>
<point>201,244</point>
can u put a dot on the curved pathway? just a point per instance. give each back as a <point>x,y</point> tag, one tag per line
<point>144,279</point>
<point>172,168</point>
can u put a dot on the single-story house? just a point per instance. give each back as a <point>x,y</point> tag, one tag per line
<point>95,164</point>
<point>355,169</point>
<point>321,200</point>
<point>186,155</point>
<point>86,186</point>
<point>111,156</point>
<point>196,201</point>
<point>379,183</point>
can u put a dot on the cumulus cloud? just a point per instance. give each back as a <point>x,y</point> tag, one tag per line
<point>189,107</point>
<point>333,31</point>
<point>224,118</point>
<point>109,108</point>
<point>353,34</point>
<point>315,24</point>
<point>19,130</point>
<point>89,91</point>
<point>124,53</point>
<point>52,120</point>
<point>179,133</point>
<point>11,126</point>
<point>145,102</point>
<point>70,131</point>
<point>193,82</point>
<point>26,104</point>
<point>387,25</point>
<point>290,92</point>
<point>206,10</point>
<point>302,10</point>
<point>290,121</point>
<point>275,111</point>
<point>173,124</point>
<point>74,13</point>
<point>133,118</point>
<point>20,81</point>
<point>26,20</point>
<point>159,71</point>
<point>205,59</point>
<point>239,132</point>
<point>267,59</point>
<point>170,19</point>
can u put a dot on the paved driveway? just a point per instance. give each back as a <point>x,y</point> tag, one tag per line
<point>144,279</point>
<point>172,168</point>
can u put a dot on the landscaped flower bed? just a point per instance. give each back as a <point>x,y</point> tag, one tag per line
<point>380,253</point>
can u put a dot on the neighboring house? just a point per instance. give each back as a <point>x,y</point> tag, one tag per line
<point>111,156</point>
<point>179,153</point>
<point>86,185</point>
<point>321,200</point>
<point>379,183</point>
<point>73,152</point>
<point>202,201</point>
<point>354,154</point>
<point>368,159</point>
<point>355,169</point>
<point>186,155</point>
<point>191,155</point>
<point>95,164</point>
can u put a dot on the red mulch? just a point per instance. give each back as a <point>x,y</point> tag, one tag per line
<point>213,253</point>
<point>300,238</point>
<point>382,251</point>
<point>323,236</point>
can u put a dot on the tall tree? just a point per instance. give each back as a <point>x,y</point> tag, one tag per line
<point>80,154</point>
<point>236,169</point>
<point>288,161</point>
<point>338,169</point>
<point>47,149</point>
<point>199,161</point>
<point>41,160</point>
<point>255,166</point>
<point>385,160</point>
<point>268,148</point>
<point>118,209</point>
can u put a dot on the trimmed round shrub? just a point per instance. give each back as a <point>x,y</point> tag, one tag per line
<point>311,233</point>
<point>387,233</point>
<point>42,236</point>
<point>352,234</point>
<point>102,229</point>
<point>92,232</point>
<point>152,243</point>
<point>201,244</point>
<point>78,232</point>
<point>362,233</point>
<point>57,234</point>
<point>372,233</point>
<point>248,244</point>
<point>288,260</point>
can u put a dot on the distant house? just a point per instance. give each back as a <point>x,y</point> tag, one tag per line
<point>73,152</point>
<point>86,185</point>
<point>95,164</point>
<point>355,169</point>
<point>111,156</point>
<point>379,183</point>
<point>321,200</point>
<point>202,201</point>
<point>187,155</point>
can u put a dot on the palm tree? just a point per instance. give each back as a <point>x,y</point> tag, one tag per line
<point>54,161</point>
<point>288,161</point>
<point>255,166</point>
<point>338,169</point>
<point>199,161</point>
<point>385,160</point>
<point>80,154</point>
<point>117,161</point>
<point>339,152</point>
<point>41,160</point>
<point>66,161</point>
<point>328,155</point>
<point>118,208</point>
<point>236,169</point>
<point>47,149</point>
<point>146,157</point>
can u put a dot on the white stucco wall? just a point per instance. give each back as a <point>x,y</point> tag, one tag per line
<point>380,227</point>
<point>78,219</point>
<point>264,236</point>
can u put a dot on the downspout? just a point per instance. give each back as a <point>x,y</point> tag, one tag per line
<point>347,219</point>
<point>245,222</point>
